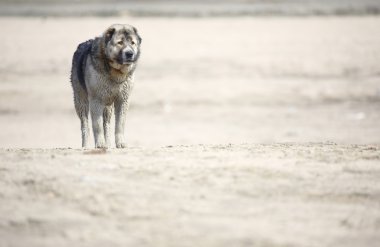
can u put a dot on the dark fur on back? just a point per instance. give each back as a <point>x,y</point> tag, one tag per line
<point>80,58</point>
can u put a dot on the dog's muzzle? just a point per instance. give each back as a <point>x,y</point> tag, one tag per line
<point>126,56</point>
<point>129,55</point>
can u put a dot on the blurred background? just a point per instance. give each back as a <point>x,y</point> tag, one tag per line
<point>190,8</point>
<point>211,72</point>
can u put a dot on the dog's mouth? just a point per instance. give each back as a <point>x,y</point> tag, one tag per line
<point>122,61</point>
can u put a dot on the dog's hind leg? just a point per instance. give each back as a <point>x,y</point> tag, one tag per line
<point>84,127</point>
<point>81,107</point>
<point>85,130</point>
<point>106,123</point>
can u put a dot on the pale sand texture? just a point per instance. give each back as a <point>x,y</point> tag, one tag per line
<point>225,195</point>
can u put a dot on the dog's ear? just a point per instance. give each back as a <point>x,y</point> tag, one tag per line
<point>108,34</point>
<point>137,35</point>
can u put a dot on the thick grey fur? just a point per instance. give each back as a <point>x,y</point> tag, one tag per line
<point>102,78</point>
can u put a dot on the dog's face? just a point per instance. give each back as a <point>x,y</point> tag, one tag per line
<point>122,45</point>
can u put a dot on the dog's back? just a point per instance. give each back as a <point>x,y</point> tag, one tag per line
<point>79,62</point>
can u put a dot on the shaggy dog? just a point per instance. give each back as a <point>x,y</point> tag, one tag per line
<point>102,78</point>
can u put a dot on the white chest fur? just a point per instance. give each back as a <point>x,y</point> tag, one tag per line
<point>106,89</point>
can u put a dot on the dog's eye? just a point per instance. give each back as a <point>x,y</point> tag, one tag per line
<point>133,42</point>
<point>120,42</point>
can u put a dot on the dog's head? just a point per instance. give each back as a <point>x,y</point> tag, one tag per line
<point>122,45</point>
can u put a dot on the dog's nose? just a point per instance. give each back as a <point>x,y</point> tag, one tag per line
<point>128,54</point>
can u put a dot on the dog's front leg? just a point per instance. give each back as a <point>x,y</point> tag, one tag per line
<point>97,110</point>
<point>106,123</point>
<point>121,108</point>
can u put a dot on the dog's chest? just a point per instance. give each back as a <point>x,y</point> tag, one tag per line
<point>102,88</point>
<point>110,91</point>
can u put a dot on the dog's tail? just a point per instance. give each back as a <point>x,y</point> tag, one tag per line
<point>79,60</point>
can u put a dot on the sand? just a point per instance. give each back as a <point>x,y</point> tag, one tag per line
<point>201,195</point>
<point>242,132</point>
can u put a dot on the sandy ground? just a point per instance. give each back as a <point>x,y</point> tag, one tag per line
<point>224,195</point>
<point>208,81</point>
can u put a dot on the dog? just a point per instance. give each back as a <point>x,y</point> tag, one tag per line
<point>102,79</point>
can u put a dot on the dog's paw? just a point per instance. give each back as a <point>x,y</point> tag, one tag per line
<point>100,145</point>
<point>121,145</point>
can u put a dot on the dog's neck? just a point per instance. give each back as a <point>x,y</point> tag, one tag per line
<point>120,73</point>
<point>118,76</point>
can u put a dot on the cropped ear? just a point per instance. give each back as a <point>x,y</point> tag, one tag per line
<point>137,35</point>
<point>108,34</point>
